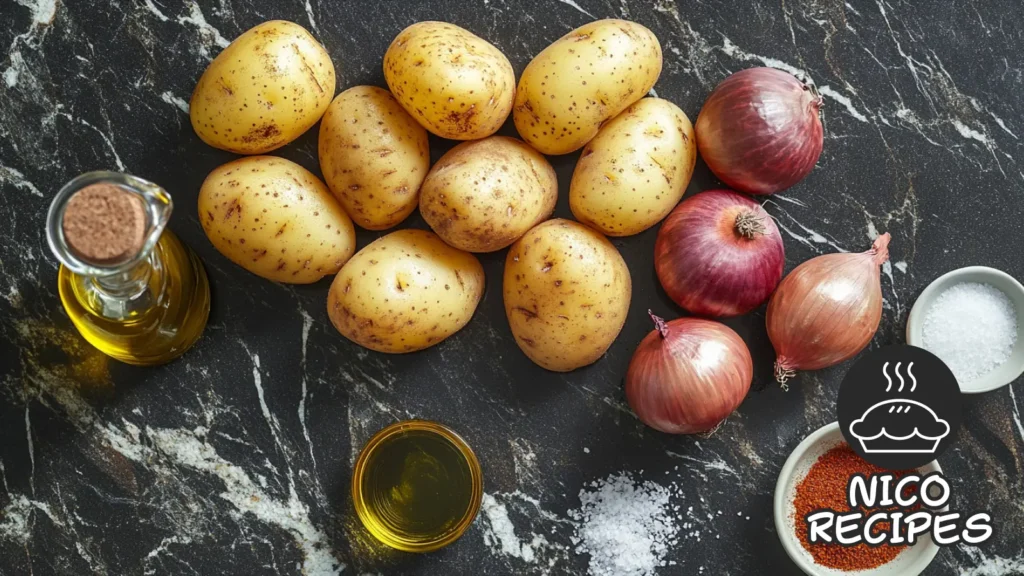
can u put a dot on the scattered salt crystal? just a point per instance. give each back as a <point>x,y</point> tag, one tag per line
<point>586,450</point>
<point>625,526</point>
<point>972,327</point>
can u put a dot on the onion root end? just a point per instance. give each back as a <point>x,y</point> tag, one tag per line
<point>783,373</point>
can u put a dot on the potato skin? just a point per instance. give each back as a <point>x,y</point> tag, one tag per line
<point>567,292</point>
<point>454,83</point>
<point>373,155</point>
<point>482,196</point>
<point>582,80</point>
<point>264,90</point>
<point>275,219</point>
<point>631,175</point>
<point>405,292</point>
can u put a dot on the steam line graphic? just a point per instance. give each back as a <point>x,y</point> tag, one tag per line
<point>899,425</point>
<point>913,380</point>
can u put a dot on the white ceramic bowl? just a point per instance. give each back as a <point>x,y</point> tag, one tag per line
<point>911,562</point>
<point>1014,366</point>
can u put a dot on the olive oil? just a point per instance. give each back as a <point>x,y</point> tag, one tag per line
<point>148,308</point>
<point>179,293</point>
<point>417,486</point>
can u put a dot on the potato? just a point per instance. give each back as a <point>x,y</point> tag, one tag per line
<point>566,291</point>
<point>635,170</point>
<point>482,196</point>
<point>275,219</point>
<point>374,156</point>
<point>405,292</point>
<point>582,80</point>
<point>456,84</point>
<point>264,90</point>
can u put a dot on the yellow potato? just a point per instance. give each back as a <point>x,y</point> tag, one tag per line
<point>635,170</point>
<point>405,292</point>
<point>482,196</point>
<point>264,90</point>
<point>374,156</point>
<point>275,219</point>
<point>567,292</point>
<point>582,80</point>
<point>456,84</point>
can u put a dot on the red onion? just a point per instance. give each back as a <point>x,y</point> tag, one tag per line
<point>688,375</point>
<point>759,130</point>
<point>826,310</point>
<point>719,254</point>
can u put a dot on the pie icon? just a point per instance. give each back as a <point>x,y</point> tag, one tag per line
<point>899,426</point>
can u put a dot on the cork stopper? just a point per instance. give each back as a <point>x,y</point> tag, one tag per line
<point>104,224</point>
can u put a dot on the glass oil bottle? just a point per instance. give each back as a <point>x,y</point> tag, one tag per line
<point>417,486</point>
<point>150,305</point>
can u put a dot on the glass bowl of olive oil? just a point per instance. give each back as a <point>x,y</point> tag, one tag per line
<point>417,486</point>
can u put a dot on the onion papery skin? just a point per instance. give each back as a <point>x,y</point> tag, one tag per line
<point>707,266</point>
<point>688,375</point>
<point>759,130</point>
<point>826,310</point>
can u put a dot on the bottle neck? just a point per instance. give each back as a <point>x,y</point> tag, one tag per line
<point>127,294</point>
<point>126,284</point>
<point>124,289</point>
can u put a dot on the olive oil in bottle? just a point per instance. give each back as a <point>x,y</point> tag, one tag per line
<point>417,486</point>
<point>132,289</point>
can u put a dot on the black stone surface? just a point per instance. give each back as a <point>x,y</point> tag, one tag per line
<point>236,458</point>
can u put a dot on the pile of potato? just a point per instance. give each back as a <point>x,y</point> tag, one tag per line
<point>566,288</point>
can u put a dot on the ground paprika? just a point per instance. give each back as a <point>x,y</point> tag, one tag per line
<point>825,486</point>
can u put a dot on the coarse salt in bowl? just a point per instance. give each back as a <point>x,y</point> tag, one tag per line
<point>910,562</point>
<point>966,280</point>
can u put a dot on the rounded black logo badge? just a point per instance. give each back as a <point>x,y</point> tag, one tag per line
<point>899,407</point>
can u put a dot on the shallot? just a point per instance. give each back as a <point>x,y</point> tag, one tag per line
<point>759,130</point>
<point>719,254</point>
<point>688,375</point>
<point>826,310</point>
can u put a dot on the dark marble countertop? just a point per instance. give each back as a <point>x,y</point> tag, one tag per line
<point>236,458</point>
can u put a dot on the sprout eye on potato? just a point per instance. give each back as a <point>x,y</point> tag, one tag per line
<point>566,292</point>
<point>374,156</point>
<point>631,175</point>
<point>275,219</point>
<point>405,292</point>
<point>456,84</point>
<point>481,196</point>
<point>264,90</point>
<point>584,79</point>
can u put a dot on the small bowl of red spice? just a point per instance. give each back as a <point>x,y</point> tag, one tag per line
<point>816,476</point>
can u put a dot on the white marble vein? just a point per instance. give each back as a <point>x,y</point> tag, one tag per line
<point>31,450</point>
<point>186,448</point>
<point>175,101</point>
<point>103,135</point>
<point>162,548</point>
<point>43,13</point>
<point>985,565</point>
<point>1016,412</point>
<point>576,6</point>
<point>11,176</point>
<point>718,464</point>
<point>828,92</point>
<point>307,323</point>
<point>14,519</point>
<point>309,15</point>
